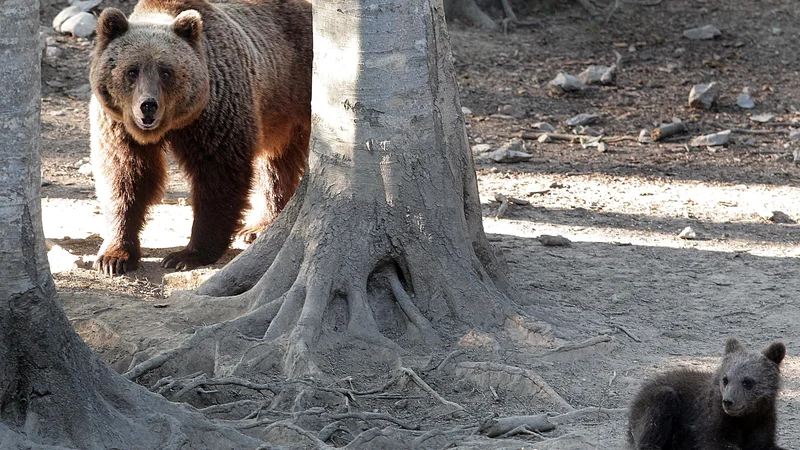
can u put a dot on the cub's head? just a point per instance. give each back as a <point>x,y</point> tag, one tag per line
<point>749,381</point>
<point>150,72</point>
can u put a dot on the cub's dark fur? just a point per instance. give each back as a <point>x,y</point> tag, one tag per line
<point>732,409</point>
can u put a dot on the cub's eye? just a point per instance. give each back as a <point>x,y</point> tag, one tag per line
<point>748,384</point>
<point>724,381</point>
<point>133,73</point>
<point>165,74</point>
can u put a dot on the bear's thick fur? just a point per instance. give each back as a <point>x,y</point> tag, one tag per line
<point>227,88</point>
<point>733,408</point>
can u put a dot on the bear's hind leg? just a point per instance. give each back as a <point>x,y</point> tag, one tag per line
<point>129,177</point>
<point>653,418</point>
<point>275,180</point>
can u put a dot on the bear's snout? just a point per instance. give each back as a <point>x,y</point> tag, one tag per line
<point>149,109</point>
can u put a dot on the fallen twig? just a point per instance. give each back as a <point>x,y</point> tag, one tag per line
<point>501,211</point>
<point>505,425</point>
<point>583,412</point>
<point>422,384</point>
<point>627,332</point>
<point>583,344</point>
<point>667,130</point>
<point>367,416</point>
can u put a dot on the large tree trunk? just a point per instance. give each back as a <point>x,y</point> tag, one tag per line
<point>381,252</point>
<point>53,390</point>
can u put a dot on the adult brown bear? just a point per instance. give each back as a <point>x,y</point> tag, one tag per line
<point>227,88</point>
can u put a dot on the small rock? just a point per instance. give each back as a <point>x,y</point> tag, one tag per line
<point>796,156</point>
<point>564,82</point>
<point>703,95</point>
<point>777,31</point>
<point>688,233</point>
<point>46,182</point>
<point>763,118</point>
<point>702,33</point>
<point>85,169</point>
<point>86,5</point>
<point>794,135</point>
<point>53,53</point>
<point>478,149</point>
<point>82,25</point>
<point>711,140</point>
<point>601,75</point>
<point>508,154</point>
<point>57,112</point>
<point>777,217</point>
<point>401,404</point>
<point>544,139</point>
<point>65,14</point>
<point>55,83</point>
<point>548,240</point>
<point>745,101</point>
<point>83,91</point>
<point>511,110</point>
<point>679,51</point>
<point>602,147</point>
<point>644,137</point>
<point>61,260</point>
<point>466,111</point>
<point>544,127</point>
<point>582,119</point>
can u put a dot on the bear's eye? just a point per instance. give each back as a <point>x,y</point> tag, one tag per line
<point>133,73</point>
<point>748,383</point>
<point>724,381</point>
<point>165,74</point>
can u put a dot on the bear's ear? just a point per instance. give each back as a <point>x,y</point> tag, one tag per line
<point>732,345</point>
<point>188,25</point>
<point>111,25</point>
<point>775,352</point>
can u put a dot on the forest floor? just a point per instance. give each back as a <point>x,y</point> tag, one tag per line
<point>655,301</point>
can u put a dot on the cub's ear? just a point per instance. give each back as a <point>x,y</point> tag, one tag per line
<point>775,352</point>
<point>188,25</point>
<point>111,25</point>
<point>732,345</point>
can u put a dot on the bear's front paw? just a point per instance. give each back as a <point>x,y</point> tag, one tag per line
<point>115,261</point>
<point>187,259</point>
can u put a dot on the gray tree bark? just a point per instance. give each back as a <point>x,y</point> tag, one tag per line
<point>54,392</point>
<point>381,252</point>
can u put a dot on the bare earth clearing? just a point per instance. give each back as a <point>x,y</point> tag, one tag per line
<point>647,299</point>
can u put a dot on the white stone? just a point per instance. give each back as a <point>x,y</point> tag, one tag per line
<point>65,14</point>
<point>721,138</point>
<point>703,95</point>
<point>745,101</point>
<point>702,33</point>
<point>82,25</point>
<point>564,82</point>
<point>688,233</point>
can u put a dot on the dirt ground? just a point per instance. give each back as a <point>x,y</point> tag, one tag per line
<point>662,301</point>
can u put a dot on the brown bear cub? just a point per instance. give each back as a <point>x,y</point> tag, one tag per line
<point>227,89</point>
<point>732,409</point>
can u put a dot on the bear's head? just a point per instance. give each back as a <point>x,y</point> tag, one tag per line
<point>749,381</point>
<point>150,72</point>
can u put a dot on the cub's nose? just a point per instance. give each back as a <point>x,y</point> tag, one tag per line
<point>149,108</point>
<point>727,402</point>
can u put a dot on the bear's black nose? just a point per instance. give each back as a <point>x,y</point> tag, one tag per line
<point>727,402</point>
<point>149,107</point>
